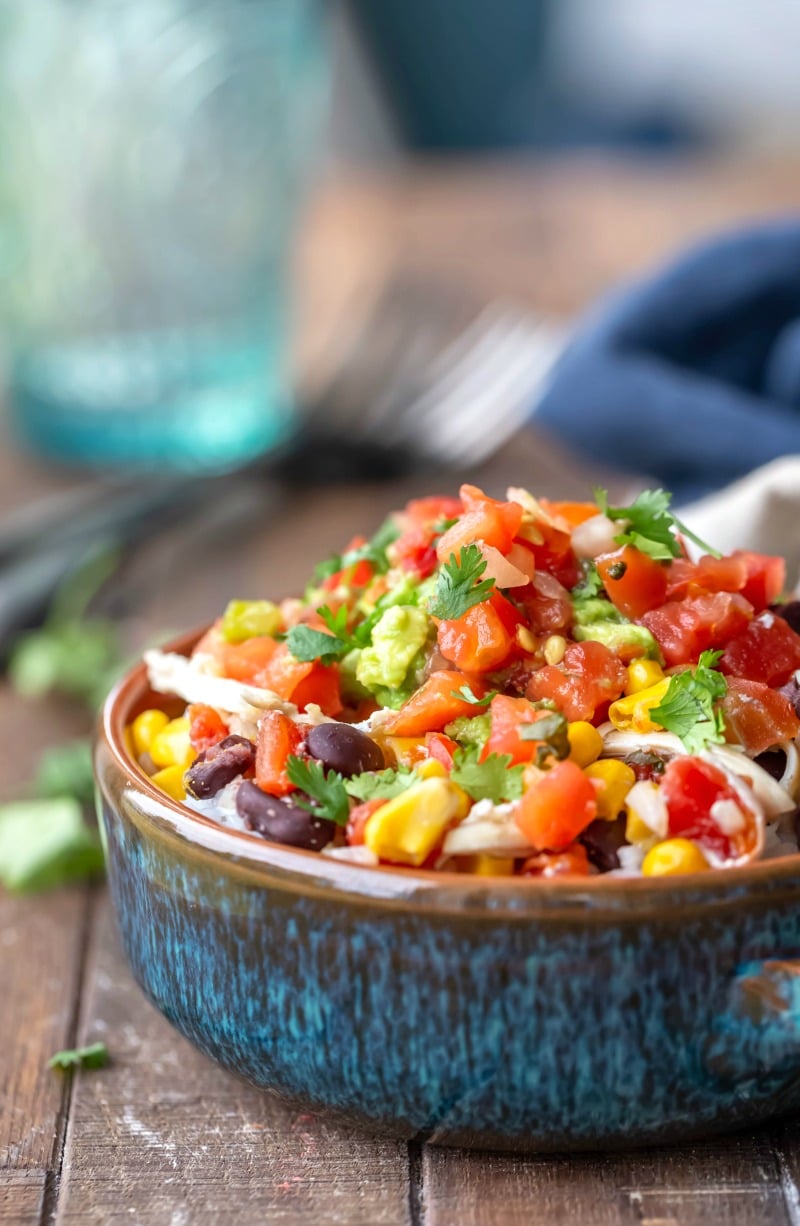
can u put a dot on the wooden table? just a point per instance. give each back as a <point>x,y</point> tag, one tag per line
<point>164,1137</point>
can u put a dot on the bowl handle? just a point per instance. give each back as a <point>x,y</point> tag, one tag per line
<point>755,1043</point>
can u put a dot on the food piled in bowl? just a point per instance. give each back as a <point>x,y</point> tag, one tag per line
<point>511,687</point>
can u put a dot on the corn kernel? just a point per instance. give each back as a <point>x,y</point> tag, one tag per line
<point>525,639</point>
<point>407,829</point>
<point>641,674</point>
<point>171,746</point>
<point>673,857</point>
<point>631,714</point>
<point>637,830</point>
<point>406,750</point>
<point>585,742</point>
<point>554,649</point>
<point>616,780</point>
<point>145,727</point>
<point>431,768</point>
<point>481,865</point>
<point>170,780</point>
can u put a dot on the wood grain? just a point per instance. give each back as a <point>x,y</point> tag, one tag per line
<point>41,941</point>
<point>163,1135</point>
<point>21,1196</point>
<point>731,1182</point>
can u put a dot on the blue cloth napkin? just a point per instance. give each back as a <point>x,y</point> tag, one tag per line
<point>693,375</point>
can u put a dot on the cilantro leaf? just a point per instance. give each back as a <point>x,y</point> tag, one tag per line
<point>650,525</point>
<point>551,730</point>
<point>306,645</point>
<point>466,694</point>
<point>323,570</point>
<point>494,779</point>
<point>325,790</point>
<point>459,585</point>
<point>688,707</point>
<point>591,584</point>
<point>380,785</point>
<point>46,843</point>
<point>93,1056</point>
<point>66,770</point>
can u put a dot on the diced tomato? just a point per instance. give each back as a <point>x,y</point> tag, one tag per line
<point>641,585</point>
<point>508,715</point>
<point>484,519</point>
<point>685,628</point>
<point>686,578</point>
<point>359,816</point>
<point>555,806</point>
<point>435,704</point>
<point>320,687</point>
<point>441,748</point>
<point>766,578</point>
<point>414,551</point>
<point>278,737</point>
<point>478,641</point>
<point>206,726</point>
<point>767,650</point>
<point>589,677</point>
<point>560,562</point>
<point>425,512</point>
<point>691,788</point>
<point>573,862</point>
<point>758,716</point>
<point>547,605</point>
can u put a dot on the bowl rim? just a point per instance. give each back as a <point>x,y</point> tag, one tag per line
<point>387,883</point>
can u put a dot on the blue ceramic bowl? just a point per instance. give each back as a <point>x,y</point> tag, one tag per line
<point>505,1014</point>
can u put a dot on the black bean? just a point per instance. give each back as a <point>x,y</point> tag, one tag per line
<point>773,762</point>
<point>602,841</point>
<point>219,765</point>
<point>279,821</point>
<point>790,612</point>
<point>343,748</point>
<point>792,692</point>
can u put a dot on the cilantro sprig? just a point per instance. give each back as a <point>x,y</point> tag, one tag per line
<point>373,551</point>
<point>459,585</point>
<point>325,790</point>
<point>688,708</point>
<point>307,644</point>
<point>467,694</point>
<point>551,730</point>
<point>94,1055</point>
<point>380,785</point>
<point>494,779</point>
<point>590,585</point>
<point>650,525</point>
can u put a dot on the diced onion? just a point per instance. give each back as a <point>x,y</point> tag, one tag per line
<point>648,804</point>
<point>595,536</point>
<point>504,573</point>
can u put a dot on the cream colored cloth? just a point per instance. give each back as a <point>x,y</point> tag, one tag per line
<point>761,512</point>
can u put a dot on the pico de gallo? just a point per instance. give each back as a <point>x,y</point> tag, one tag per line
<point>500,687</point>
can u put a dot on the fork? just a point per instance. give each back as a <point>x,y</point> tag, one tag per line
<point>428,381</point>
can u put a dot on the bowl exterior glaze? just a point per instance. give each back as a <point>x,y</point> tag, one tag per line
<point>508,1016</point>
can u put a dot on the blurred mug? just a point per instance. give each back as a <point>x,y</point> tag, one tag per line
<point>151,165</point>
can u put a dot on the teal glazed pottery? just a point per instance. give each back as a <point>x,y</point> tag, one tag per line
<point>497,1013</point>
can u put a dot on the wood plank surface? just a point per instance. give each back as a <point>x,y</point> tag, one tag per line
<point>163,1135</point>
<point>734,1181</point>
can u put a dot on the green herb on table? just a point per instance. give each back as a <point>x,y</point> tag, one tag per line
<point>459,585</point>
<point>688,708</point>
<point>95,1055</point>
<point>650,526</point>
<point>46,843</point>
<point>66,770</point>
<point>72,653</point>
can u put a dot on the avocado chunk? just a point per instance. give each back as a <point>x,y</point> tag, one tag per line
<point>401,632</point>
<point>619,636</point>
